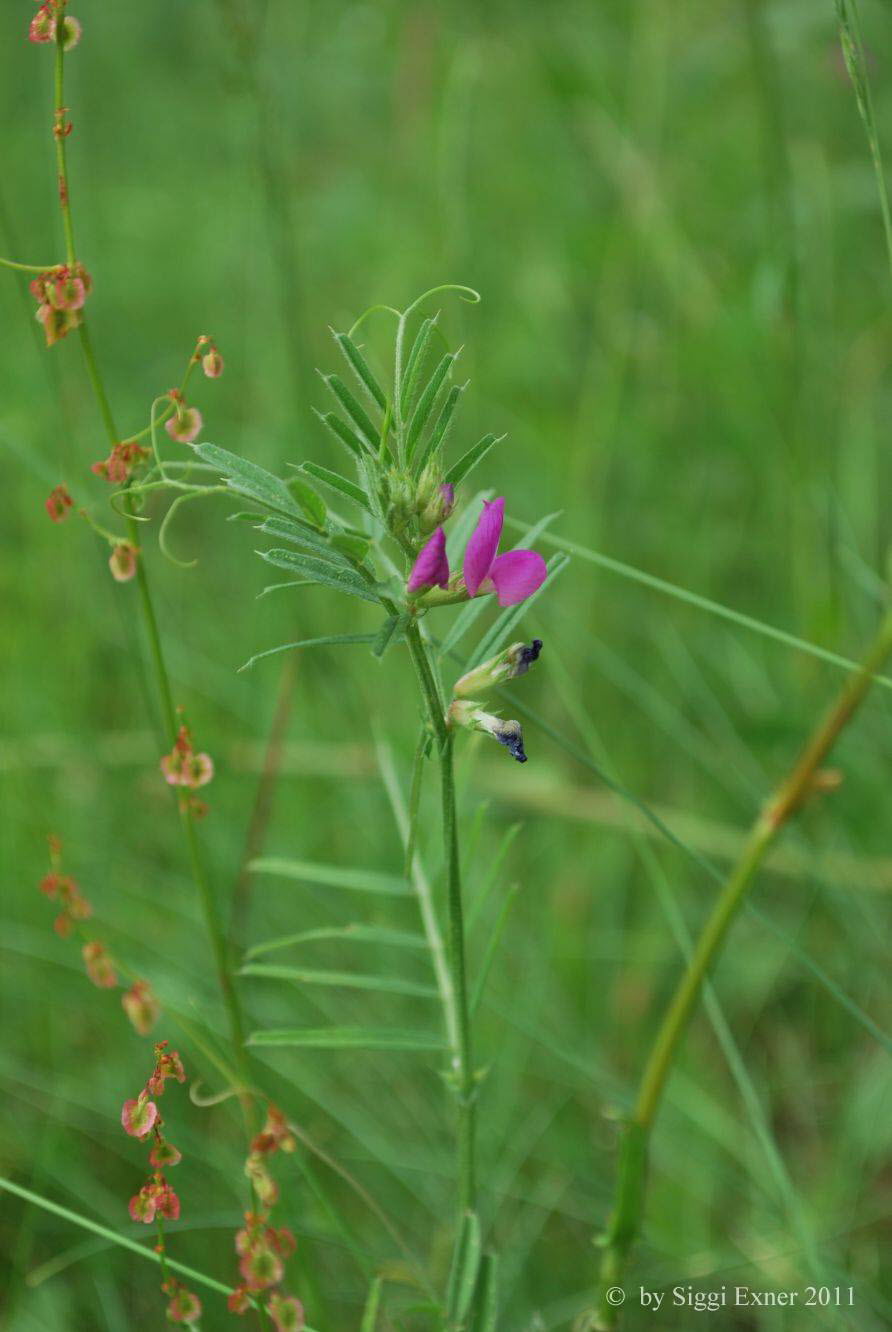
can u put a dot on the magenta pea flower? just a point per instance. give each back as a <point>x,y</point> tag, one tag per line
<point>431,568</point>
<point>513,575</point>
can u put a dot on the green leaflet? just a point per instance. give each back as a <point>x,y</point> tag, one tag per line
<point>360,368</point>
<point>321,571</point>
<point>355,410</point>
<point>349,1038</point>
<point>333,876</point>
<point>416,360</point>
<point>441,428</point>
<point>331,640</point>
<point>468,461</point>
<point>351,545</point>
<point>342,432</point>
<point>425,403</point>
<point>339,483</point>
<point>349,980</point>
<point>392,630</point>
<point>313,505</point>
<point>373,934</point>
<point>246,478</point>
<point>307,537</point>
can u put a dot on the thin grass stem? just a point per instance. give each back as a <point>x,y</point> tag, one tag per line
<point>790,795</point>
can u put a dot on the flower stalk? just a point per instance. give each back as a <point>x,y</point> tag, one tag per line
<point>803,781</point>
<point>150,621</point>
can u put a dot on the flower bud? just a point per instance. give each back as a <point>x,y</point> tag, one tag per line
<point>122,561</point>
<point>469,714</point>
<point>434,499</point>
<point>508,665</point>
<point>212,363</point>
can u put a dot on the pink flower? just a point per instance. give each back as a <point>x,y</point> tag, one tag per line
<point>138,1116</point>
<point>122,562</point>
<point>184,425</point>
<point>431,568</point>
<point>447,494</point>
<point>513,576</point>
<point>286,1312</point>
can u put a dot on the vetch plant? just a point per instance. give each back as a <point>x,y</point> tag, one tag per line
<point>388,550</point>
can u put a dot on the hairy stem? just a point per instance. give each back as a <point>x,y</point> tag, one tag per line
<point>631,1185</point>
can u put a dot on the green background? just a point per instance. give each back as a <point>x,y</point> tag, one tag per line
<point>671,214</point>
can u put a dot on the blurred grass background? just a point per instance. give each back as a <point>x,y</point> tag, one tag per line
<point>671,214</point>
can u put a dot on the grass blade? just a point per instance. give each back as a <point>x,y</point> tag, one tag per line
<point>348,1038</point>
<point>332,876</point>
<point>465,1267</point>
<point>349,980</point>
<point>373,934</point>
<point>372,1304</point>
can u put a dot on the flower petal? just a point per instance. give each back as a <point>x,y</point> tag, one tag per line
<point>481,548</point>
<point>516,575</point>
<point>431,568</point>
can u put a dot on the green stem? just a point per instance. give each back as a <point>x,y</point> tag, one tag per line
<point>24,268</point>
<point>463,1069</point>
<point>59,136</point>
<point>790,795</point>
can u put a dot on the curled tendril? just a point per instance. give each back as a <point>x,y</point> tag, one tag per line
<point>191,493</point>
<point>197,1097</point>
<point>373,309</point>
<point>464,293</point>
